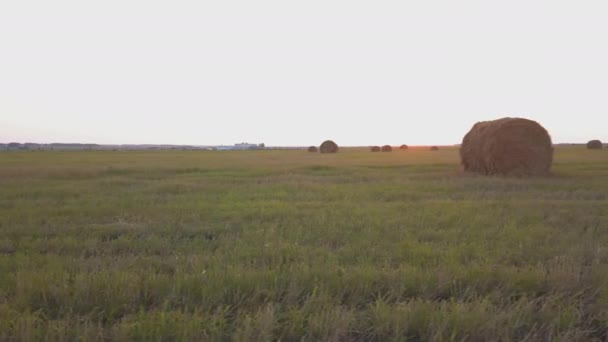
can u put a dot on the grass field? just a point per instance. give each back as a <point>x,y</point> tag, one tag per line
<point>291,245</point>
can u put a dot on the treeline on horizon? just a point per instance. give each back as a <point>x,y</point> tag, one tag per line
<point>16,146</point>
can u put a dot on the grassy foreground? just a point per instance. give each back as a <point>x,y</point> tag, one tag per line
<point>291,245</point>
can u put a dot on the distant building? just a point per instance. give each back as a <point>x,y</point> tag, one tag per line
<point>247,146</point>
<point>31,146</point>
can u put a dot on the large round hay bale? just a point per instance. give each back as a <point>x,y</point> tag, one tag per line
<point>387,148</point>
<point>312,149</point>
<point>508,146</point>
<point>434,148</point>
<point>404,147</point>
<point>329,146</point>
<point>595,145</point>
<point>375,148</point>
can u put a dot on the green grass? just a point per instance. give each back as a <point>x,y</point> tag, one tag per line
<point>291,245</point>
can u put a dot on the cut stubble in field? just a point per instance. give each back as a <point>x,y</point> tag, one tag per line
<point>262,245</point>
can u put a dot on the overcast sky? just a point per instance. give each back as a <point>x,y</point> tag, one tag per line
<point>298,72</point>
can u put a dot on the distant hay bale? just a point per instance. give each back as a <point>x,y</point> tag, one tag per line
<point>312,149</point>
<point>508,146</point>
<point>329,146</point>
<point>404,147</point>
<point>595,145</point>
<point>387,148</point>
<point>434,148</point>
<point>375,149</point>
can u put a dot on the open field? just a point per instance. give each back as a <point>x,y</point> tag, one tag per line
<point>291,245</point>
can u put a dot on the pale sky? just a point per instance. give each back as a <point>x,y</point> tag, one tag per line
<point>298,72</point>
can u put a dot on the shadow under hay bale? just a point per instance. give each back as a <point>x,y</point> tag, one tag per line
<point>387,148</point>
<point>595,145</point>
<point>508,146</point>
<point>313,149</point>
<point>329,146</point>
<point>375,149</point>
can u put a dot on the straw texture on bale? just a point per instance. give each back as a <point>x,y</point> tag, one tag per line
<point>375,149</point>
<point>329,146</point>
<point>595,145</point>
<point>403,147</point>
<point>387,148</point>
<point>434,148</point>
<point>508,146</point>
<point>312,149</point>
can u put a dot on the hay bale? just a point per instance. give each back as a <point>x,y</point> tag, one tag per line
<point>508,146</point>
<point>387,148</point>
<point>329,146</point>
<point>434,148</point>
<point>375,149</point>
<point>404,147</point>
<point>312,149</point>
<point>595,145</point>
